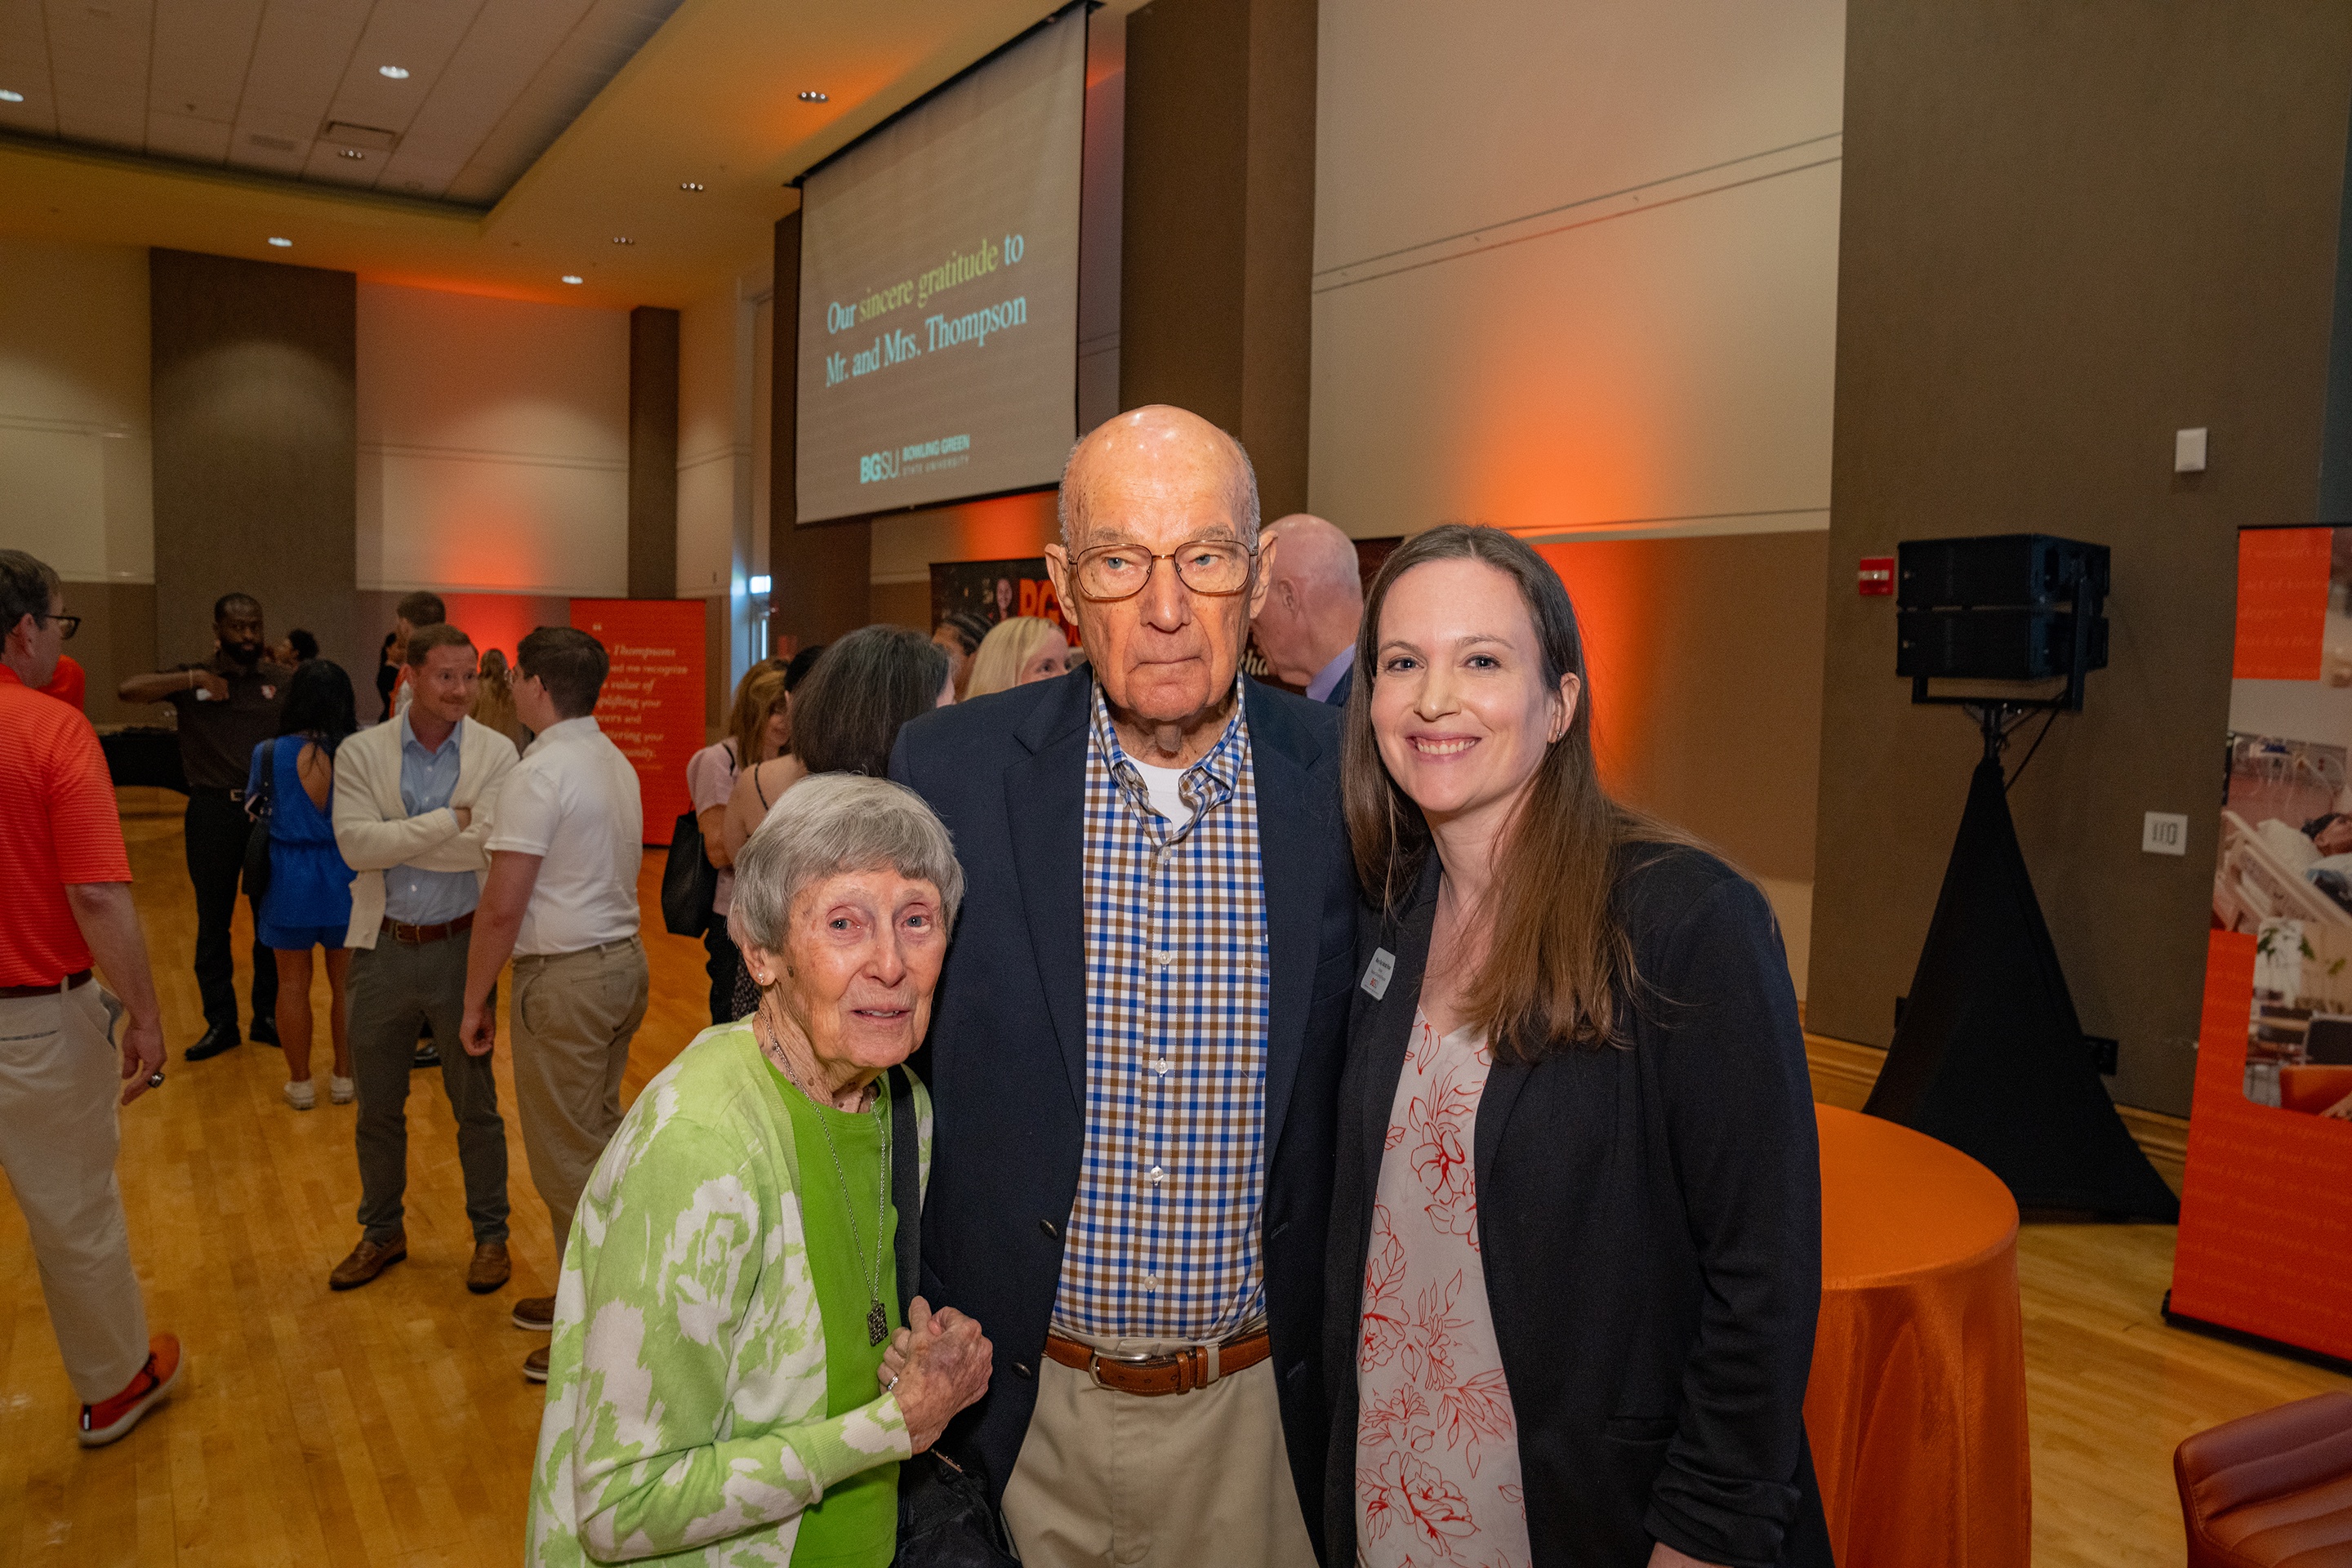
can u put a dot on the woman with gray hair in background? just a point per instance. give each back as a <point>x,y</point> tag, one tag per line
<point>716,1385</point>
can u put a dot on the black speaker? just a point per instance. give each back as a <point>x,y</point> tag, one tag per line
<point>2001,607</point>
<point>2008,571</point>
<point>1992,645</point>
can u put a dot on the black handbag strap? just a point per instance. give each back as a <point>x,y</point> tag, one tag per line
<point>269,792</point>
<point>906,1183</point>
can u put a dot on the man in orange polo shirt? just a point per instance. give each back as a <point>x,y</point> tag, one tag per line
<point>69,882</point>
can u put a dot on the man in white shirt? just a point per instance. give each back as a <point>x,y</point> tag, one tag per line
<point>561,898</point>
<point>412,804</point>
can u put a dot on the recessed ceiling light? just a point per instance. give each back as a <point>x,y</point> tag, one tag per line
<point>397,73</point>
<point>281,244</point>
<point>353,153</point>
<point>10,95</point>
<point>574,278</point>
<point>623,239</point>
<point>812,96</point>
<point>689,185</point>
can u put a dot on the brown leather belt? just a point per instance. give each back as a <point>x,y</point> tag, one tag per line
<point>417,936</point>
<point>1153,1376</point>
<point>74,982</point>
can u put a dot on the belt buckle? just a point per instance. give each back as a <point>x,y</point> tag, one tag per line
<point>1095,1358</point>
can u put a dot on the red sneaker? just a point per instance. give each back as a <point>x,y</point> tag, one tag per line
<point>108,1419</point>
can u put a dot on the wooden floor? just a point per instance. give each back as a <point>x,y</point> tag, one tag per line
<point>390,1424</point>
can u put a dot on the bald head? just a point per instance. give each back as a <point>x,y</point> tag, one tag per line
<point>1151,456</point>
<point>1315,601</point>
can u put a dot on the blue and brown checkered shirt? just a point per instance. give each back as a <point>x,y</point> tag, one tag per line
<point>1163,1237</point>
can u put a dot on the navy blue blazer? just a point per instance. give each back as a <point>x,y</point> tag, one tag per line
<point>1006,1055</point>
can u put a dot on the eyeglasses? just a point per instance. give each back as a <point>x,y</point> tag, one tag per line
<point>1215,566</point>
<point>72,624</point>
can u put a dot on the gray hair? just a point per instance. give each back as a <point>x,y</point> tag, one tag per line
<point>833,822</point>
<point>1070,503</point>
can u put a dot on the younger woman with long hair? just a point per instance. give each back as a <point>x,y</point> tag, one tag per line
<point>494,704</point>
<point>1576,1219</point>
<point>1015,653</point>
<point>758,727</point>
<point>309,903</point>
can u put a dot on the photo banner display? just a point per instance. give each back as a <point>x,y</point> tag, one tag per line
<point>938,294</point>
<point>653,698</point>
<point>999,591</point>
<point>2266,1243</point>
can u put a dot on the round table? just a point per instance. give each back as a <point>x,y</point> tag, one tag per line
<point>1916,1408</point>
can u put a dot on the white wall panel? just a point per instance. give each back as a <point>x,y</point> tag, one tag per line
<point>493,444</point>
<point>75,450</point>
<point>1576,264</point>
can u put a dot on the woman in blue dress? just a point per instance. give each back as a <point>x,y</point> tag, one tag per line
<point>309,903</point>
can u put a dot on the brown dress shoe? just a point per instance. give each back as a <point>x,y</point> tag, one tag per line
<point>534,1314</point>
<point>367,1261</point>
<point>534,1366</point>
<point>490,1269</point>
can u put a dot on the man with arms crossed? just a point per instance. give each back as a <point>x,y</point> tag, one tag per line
<point>562,899</point>
<point>1137,1040</point>
<point>413,804</point>
<point>69,882</point>
<point>227,706</point>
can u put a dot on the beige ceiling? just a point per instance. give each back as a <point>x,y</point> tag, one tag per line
<point>712,98</point>
<point>300,89</point>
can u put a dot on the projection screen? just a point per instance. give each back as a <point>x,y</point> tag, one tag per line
<point>938,299</point>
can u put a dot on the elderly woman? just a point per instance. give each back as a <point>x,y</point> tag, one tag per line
<point>1015,653</point>
<point>716,1390</point>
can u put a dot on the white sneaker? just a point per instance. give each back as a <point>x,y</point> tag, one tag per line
<point>341,1090</point>
<point>301,1096</point>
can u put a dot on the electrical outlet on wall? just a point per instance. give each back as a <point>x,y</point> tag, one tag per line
<point>2164,833</point>
<point>2103,1054</point>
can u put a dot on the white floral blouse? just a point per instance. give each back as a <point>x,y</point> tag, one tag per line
<point>1437,1456</point>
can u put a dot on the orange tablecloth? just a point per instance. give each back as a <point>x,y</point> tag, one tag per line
<point>1916,1408</point>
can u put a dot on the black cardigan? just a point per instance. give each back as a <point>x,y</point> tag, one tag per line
<point>1649,1221</point>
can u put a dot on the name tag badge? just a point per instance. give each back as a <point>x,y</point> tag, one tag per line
<point>1377,973</point>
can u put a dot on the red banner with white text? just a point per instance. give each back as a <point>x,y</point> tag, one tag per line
<point>653,701</point>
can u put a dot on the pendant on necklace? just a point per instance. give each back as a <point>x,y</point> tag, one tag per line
<point>878,1324</point>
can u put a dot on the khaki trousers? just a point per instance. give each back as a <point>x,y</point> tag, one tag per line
<point>1183,1479</point>
<point>59,1077</point>
<point>574,1015</point>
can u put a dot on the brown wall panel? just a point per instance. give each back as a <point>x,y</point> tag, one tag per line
<point>819,574</point>
<point>653,453</point>
<point>2066,232</point>
<point>257,448</point>
<point>1218,225</point>
<point>116,638</point>
<point>1704,656</point>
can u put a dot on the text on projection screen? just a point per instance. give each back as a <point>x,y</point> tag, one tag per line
<point>939,291</point>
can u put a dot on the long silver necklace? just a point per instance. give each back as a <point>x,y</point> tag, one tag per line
<point>877,1322</point>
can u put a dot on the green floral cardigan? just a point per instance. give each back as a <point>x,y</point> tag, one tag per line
<point>686,1421</point>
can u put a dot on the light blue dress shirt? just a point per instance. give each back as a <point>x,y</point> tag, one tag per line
<point>427,779</point>
<point>1320,689</point>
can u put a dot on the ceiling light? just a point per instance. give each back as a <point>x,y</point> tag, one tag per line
<point>397,73</point>
<point>623,239</point>
<point>574,278</point>
<point>10,95</point>
<point>689,185</point>
<point>353,153</point>
<point>812,96</point>
<point>281,244</point>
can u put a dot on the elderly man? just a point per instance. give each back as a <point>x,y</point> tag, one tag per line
<point>1314,602</point>
<point>1136,1039</point>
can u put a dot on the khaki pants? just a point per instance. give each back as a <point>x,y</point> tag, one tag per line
<point>59,1077</point>
<point>1183,1479</point>
<point>574,1015</point>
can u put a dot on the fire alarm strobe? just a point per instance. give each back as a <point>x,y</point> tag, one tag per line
<point>1875,578</point>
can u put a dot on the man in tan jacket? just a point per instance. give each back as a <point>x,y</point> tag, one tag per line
<point>414,800</point>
